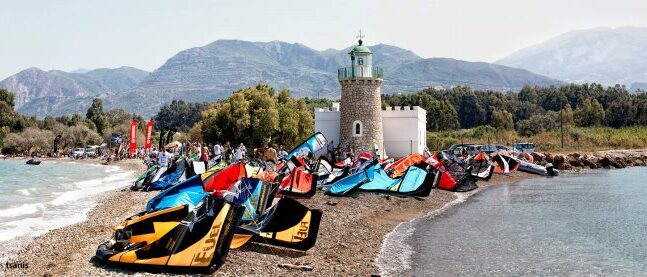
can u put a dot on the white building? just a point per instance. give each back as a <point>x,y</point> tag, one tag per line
<point>404,128</point>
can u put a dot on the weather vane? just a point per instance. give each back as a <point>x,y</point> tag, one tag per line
<point>360,36</point>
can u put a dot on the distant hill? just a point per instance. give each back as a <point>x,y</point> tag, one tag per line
<point>638,86</point>
<point>602,55</point>
<point>213,71</point>
<point>445,72</point>
<point>38,92</point>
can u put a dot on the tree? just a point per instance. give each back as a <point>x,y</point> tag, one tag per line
<point>620,113</point>
<point>75,120</point>
<point>195,133</point>
<point>97,116</point>
<point>179,115</point>
<point>288,132</point>
<point>441,116</point>
<point>264,115</point>
<point>118,116</point>
<point>306,122</point>
<point>30,139</point>
<point>502,120</point>
<point>256,116</point>
<point>539,123</point>
<point>80,136</point>
<point>8,117</point>
<point>590,113</point>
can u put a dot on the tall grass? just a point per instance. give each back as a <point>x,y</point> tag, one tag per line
<point>575,138</point>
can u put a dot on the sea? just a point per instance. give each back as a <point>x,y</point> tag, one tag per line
<point>36,199</point>
<point>585,224</point>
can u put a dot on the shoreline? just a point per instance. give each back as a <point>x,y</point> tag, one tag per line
<point>352,234</point>
<point>46,253</point>
<point>395,256</point>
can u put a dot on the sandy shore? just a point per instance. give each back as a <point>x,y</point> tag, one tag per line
<point>350,236</point>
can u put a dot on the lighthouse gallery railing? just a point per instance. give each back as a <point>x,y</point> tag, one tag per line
<point>359,72</point>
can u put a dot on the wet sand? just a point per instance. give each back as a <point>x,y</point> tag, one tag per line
<point>350,235</point>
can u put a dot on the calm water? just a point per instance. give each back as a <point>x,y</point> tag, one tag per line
<point>586,224</point>
<point>35,199</point>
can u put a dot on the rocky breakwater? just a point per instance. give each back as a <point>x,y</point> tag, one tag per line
<point>593,160</point>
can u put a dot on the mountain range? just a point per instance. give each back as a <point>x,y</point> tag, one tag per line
<point>604,55</point>
<point>215,70</point>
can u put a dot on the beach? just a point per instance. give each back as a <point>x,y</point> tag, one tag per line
<point>350,237</point>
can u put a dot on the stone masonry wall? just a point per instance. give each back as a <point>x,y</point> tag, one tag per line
<point>360,100</point>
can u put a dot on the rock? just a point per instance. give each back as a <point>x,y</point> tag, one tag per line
<point>559,161</point>
<point>618,162</point>
<point>538,157</point>
<point>575,155</point>
<point>605,162</point>
<point>575,161</point>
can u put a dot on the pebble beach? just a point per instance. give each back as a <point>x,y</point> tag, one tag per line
<point>350,238</point>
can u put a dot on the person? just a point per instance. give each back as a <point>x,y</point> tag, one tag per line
<point>197,149</point>
<point>164,158</point>
<point>226,152</point>
<point>205,153</point>
<point>270,157</point>
<point>282,153</point>
<point>331,151</point>
<point>350,153</point>
<point>239,154</point>
<point>217,152</point>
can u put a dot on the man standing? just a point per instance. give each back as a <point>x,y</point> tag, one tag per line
<point>269,155</point>
<point>164,158</point>
<point>240,153</point>
<point>217,152</point>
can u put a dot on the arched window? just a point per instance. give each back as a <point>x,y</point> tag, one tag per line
<point>357,128</point>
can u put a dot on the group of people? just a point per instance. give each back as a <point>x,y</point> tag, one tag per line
<point>339,152</point>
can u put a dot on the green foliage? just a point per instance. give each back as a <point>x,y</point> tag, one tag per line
<point>441,116</point>
<point>256,116</point>
<point>96,114</point>
<point>117,116</point>
<point>618,113</point>
<point>474,108</point>
<point>576,139</point>
<point>8,117</point>
<point>538,123</point>
<point>29,140</point>
<point>590,113</point>
<point>439,141</point>
<point>317,103</point>
<point>179,115</point>
<point>502,120</point>
<point>483,131</point>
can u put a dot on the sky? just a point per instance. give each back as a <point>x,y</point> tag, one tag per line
<point>73,34</point>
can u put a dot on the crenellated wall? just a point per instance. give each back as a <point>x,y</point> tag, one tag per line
<point>404,128</point>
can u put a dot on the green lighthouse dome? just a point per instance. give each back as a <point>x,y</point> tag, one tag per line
<point>360,49</point>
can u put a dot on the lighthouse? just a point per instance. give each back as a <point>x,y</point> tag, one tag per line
<point>361,106</point>
<point>359,120</point>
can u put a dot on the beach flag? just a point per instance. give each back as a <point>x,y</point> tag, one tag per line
<point>149,133</point>
<point>133,138</point>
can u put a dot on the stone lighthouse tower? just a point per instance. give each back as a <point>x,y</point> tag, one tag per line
<point>361,105</point>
